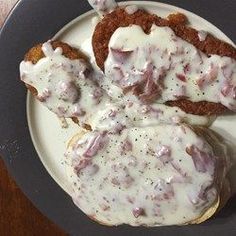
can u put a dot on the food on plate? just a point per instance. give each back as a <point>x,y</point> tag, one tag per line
<point>60,77</point>
<point>144,156</point>
<point>165,61</point>
<point>152,176</point>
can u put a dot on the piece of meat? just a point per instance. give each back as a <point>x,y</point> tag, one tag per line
<point>36,53</point>
<point>177,22</point>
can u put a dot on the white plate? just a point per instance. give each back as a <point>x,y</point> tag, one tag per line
<point>50,139</point>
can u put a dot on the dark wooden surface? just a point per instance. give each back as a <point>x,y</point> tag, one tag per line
<point>17,214</point>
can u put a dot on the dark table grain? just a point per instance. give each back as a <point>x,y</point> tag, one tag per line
<point>17,214</point>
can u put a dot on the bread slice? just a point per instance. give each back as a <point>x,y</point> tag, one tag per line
<point>221,181</point>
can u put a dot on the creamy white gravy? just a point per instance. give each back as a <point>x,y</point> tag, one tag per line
<point>128,109</point>
<point>202,35</point>
<point>116,117</point>
<point>162,175</point>
<point>103,7</point>
<point>65,86</point>
<point>162,67</point>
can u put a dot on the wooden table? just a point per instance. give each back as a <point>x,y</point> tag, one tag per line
<point>17,214</point>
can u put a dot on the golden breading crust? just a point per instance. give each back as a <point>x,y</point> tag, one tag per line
<point>36,53</point>
<point>177,22</point>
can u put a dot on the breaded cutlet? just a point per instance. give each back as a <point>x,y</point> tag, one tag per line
<point>36,53</point>
<point>177,22</point>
